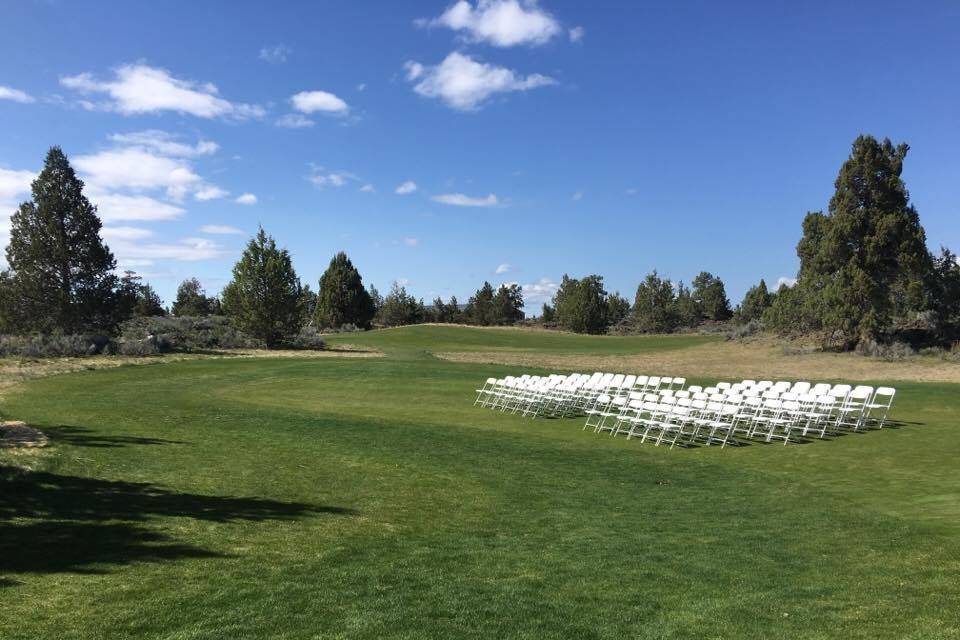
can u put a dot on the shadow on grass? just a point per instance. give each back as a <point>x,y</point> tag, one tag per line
<point>52,523</point>
<point>84,437</point>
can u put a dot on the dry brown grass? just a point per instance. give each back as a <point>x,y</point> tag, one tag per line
<point>762,358</point>
<point>15,371</point>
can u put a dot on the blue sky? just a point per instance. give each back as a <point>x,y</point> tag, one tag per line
<point>443,144</point>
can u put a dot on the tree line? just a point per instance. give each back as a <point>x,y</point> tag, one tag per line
<point>865,276</point>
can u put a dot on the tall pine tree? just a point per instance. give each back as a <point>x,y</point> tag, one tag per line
<point>265,298</point>
<point>341,298</point>
<point>61,273</point>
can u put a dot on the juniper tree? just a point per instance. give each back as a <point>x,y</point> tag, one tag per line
<point>480,306</point>
<point>508,304</point>
<point>342,298</point>
<point>581,304</point>
<point>61,272</point>
<point>654,309</point>
<point>755,302</point>
<point>265,298</point>
<point>710,296</point>
<point>192,300</point>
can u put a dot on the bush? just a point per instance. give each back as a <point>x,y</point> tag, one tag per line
<point>184,334</point>
<point>309,339</point>
<point>46,346</point>
<point>892,351</point>
<point>741,331</point>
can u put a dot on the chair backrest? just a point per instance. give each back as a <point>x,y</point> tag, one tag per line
<point>723,385</point>
<point>694,388</point>
<point>679,382</point>
<point>800,387</point>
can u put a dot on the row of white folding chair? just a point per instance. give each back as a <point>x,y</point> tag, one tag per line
<point>641,384</point>
<point>856,405</point>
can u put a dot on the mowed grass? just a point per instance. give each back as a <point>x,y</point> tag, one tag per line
<point>329,498</point>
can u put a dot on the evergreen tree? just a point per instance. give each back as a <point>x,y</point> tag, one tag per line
<point>61,273</point>
<point>342,299</point>
<point>508,304</point>
<point>137,299</point>
<point>581,305</point>
<point>548,315</point>
<point>654,310</point>
<point>710,296</point>
<point>618,308</point>
<point>376,299</point>
<point>866,260</point>
<point>480,306</point>
<point>755,302</point>
<point>309,302</point>
<point>265,298</point>
<point>438,311</point>
<point>686,311</point>
<point>453,310</point>
<point>400,308</point>
<point>192,300</point>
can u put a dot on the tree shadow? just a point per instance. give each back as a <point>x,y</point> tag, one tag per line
<point>84,437</point>
<point>52,523</point>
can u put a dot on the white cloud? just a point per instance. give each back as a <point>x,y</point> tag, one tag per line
<point>186,250</point>
<point>313,101</point>
<point>576,34</point>
<point>463,83</point>
<point>411,242</point>
<point>247,199</point>
<point>503,268</point>
<point>9,93</point>
<point>125,233</point>
<point>210,192</point>
<point>165,143</point>
<point>784,281</point>
<point>502,23</point>
<point>461,200</point>
<point>368,188</point>
<point>13,186</point>
<point>330,178</point>
<point>541,291</point>
<point>578,195</point>
<point>402,282</point>
<point>138,89</point>
<point>407,187</point>
<point>294,121</point>
<point>137,169</point>
<point>275,54</point>
<point>361,87</point>
<point>220,230</point>
<point>113,207</point>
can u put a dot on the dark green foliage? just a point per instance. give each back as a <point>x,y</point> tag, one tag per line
<point>686,311</point>
<point>508,304</point>
<point>61,273</point>
<point>865,261</point>
<point>190,333</point>
<point>581,305</point>
<point>265,298</point>
<point>192,300</point>
<point>445,312</point>
<point>137,298</point>
<point>618,308</point>
<point>310,302</point>
<point>945,292</point>
<point>400,308</point>
<point>710,297</point>
<point>342,298</point>
<point>454,313</point>
<point>480,308</point>
<point>654,310</point>
<point>548,314</point>
<point>755,302</point>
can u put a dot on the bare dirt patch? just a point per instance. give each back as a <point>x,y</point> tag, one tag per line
<point>18,434</point>
<point>761,359</point>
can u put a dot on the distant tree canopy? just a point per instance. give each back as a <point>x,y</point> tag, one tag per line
<point>265,298</point>
<point>864,265</point>
<point>61,274</point>
<point>755,303</point>
<point>137,299</point>
<point>654,309</point>
<point>341,298</point>
<point>480,306</point>
<point>400,308</point>
<point>710,297</point>
<point>581,304</point>
<point>192,300</point>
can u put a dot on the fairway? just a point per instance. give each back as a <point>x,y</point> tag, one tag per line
<point>366,498</point>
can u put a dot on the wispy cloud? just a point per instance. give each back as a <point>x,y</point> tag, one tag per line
<point>138,89</point>
<point>275,54</point>
<point>465,84</point>
<point>247,199</point>
<point>165,143</point>
<point>319,101</point>
<point>462,200</point>
<point>220,230</point>
<point>294,121</point>
<point>503,268</point>
<point>406,187</point>
<point>541,291</point>
<point>16,95</point>
<point>576,34</point>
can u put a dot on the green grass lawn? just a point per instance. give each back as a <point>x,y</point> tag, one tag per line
<point>367,498</point>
